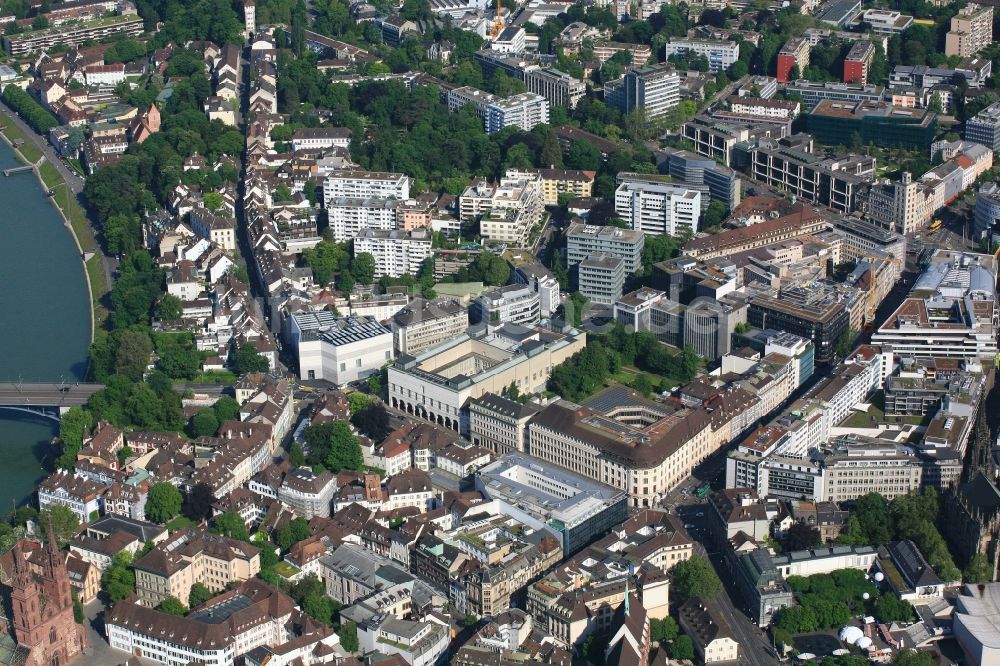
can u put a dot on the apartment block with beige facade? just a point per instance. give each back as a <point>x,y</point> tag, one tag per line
<point>971,31</point>
<point>193,556</point>
<point>563,181</point>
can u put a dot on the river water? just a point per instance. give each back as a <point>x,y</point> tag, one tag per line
<point>44,320</point>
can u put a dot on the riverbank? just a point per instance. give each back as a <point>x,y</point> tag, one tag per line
<point>73,215</point>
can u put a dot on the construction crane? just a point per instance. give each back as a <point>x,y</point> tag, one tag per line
<point>498,25</point>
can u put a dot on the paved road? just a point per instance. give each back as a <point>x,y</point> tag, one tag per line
<point>98,650</point>
<point>46,395</point>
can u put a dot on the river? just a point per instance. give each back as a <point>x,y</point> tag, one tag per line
<point>44,320</point>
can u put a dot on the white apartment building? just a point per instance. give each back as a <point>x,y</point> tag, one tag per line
<point>307,493</point>
<point>509,209</point>
<point>396,252</point>
<point>347,218</point>
<point>765,108</point>
<point>423,324</point>
<point>514,304</point>
<point>903,207</point>
<point>338,349</point>
<point>365,185</point>
<point>971,30</point>
<point>524,110</point>
<point>654,88</point>
<point>721,54</point>
<point>510,40</point>
<point>655,207</point>
<point>583,240</point>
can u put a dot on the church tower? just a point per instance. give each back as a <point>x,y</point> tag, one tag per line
<point>25,599</point>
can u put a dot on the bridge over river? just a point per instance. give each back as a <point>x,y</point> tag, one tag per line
<point>50,400</point>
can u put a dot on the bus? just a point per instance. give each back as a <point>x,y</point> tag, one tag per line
<point>703,491</point>
<point>935,225</point>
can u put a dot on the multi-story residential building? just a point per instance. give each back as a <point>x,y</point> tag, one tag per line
<point>559,88</point>
<point>192,556</point>
<point>396,252</point>
<point>986,214</point>
<point>77,493</point>
<point>833,181</point>
<point>971,30</point>
<point>500,424</point>
<point>542,282</point>
<point>601,278</point>
<point>574,509</point>
<point>423,324</point>
<point>347,217</point>
<point>641,53</point>
<point>858,62</point>
<point>875,122</point>
<point>507,210</point>
<point>437,384</point>
<point>951,310</point>
<point>902,207</point>
<point>338,349</point>
<point>24,43</point>
<point>793,54</point>
<point>583,240</point>
<point>652,205</point>
<point>721,54</point>
<point>513,304</point>
<point>309,494</point>
<point>984,127</point>
<point>564,181</point>
<point>214,226</point>
<point>524,110</point>
<point>886,22</point>
<point>415,642</point>
<point>366,184</point>
<point>654,88</point>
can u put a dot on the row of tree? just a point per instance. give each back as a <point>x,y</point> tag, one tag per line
<point>30,111</point>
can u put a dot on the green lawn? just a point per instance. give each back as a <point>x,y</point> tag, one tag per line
<point>77,167</point>
<point>72,209</point>
<point>225,377</point>
<point>98,287</point>
<point>179,523</point>
<point>285,569</point>
<point>12,132</point>
<point>629,373</point>
<point>50,176</point>
<point>30,152</point>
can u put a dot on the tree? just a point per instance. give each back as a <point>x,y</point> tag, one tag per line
<point>682,648</point>
<point>801,537</point>
<point>226,409</point>
<point>345,452</point>
<point>889,608</point>
<point>739,69</point>
<point>584,155</point>
<point>170,307</point>
<point>64,522</point>
<point>934,106</point>
<point>348,634</point>
<point>199,594</point>
<point>363,268</point>
<point>695,577</point>
<point>910,657</point>
<point>132,353</point>
<point>163,502</point>
<point>372,421</point>
<point>323,259</point>
<point>247,359</point>
<point>296,456</point>
<point>199,502</point>
<point>663,630</point>
<point>230,524</point>
<point>172,606</point>
<point>118,580</point>
<point>979,570</point>
<point>205,423</point>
